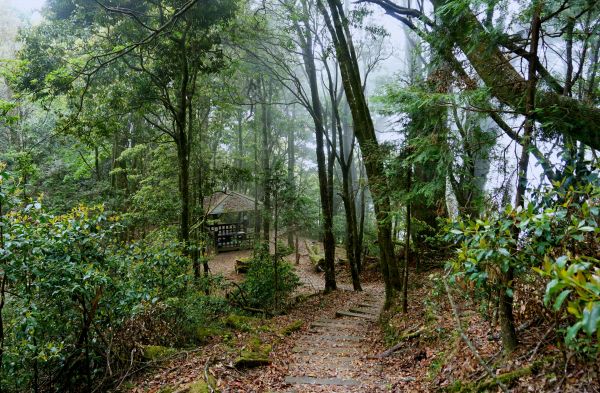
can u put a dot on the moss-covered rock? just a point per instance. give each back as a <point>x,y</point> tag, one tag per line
<point>239,322</point>
<point>157,352</point>
<point>242,265</point>
<point>201,386</point>
<point>255,354</point>
<point>292,327</point>
<point>318,262</point>
<point>249,359</point>
<point>204,333</point>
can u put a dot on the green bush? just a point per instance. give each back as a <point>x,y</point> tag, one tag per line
<point>558,239</point>
<point>269,282</point>
<point>73,289</point>
<point>283,249</point>
<point>195,316</point>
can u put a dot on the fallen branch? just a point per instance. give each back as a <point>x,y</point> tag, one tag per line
<point>256,310</point>
<point>401,343</point>
<point>469,343</point>
<point>206,377</point>
<point>542,340</point>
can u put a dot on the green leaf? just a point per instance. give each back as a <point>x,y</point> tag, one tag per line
<point>587,229</point>
<point>552,287</point>
<point>591,318</point>
<point>504,252</point>
<point>561,261</point>
<point>560,299</point>
<point>572,331</point>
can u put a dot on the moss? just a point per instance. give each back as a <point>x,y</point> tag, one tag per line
<point>491,384</point>
<point>265,328</point>
<point>436,365</point>
<point>166,389</point>
<point>318,262</point>
<point>239,322</point>
<point>248,359</point>
<point>157,352</point>
<point>203,333</point>
<point>242,265</point>
<point>292,327</point>
<point>255,354</point>
<point>201,386</point>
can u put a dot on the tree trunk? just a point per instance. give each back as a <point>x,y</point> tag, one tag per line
<point>507,323</point>
<point>306,39</point>
<point>266,124</point>
<point>505,314</point>
<point>510,88</point>
<point>291,152</point>
<point>257,211</point>
<point>240,150</point>
<point>184,191</point>
<point>97,163</point>
<point>351,229</point>
<point>358,251</point>
<point>407,243</point>
<point>365,134</point>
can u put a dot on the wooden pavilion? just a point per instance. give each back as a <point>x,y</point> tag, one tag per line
<point>231,214</point>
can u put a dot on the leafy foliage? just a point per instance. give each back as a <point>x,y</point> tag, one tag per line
<point>269,282</point>
<point>72,288</point>
<point>558,239</point>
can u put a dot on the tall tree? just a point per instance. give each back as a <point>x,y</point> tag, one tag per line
<point>168,49</point>
<point>337,24</point>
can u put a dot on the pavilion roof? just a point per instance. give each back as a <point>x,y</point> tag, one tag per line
<point>222,202</point>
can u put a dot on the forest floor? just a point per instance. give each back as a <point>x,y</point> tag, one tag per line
<point>313,350</point>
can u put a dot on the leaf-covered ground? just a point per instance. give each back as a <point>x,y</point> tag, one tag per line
<point>430,354</point>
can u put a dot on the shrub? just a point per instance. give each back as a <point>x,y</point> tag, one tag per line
<point>558,239</point>
<point>269,282</point>
<point>77,298</point>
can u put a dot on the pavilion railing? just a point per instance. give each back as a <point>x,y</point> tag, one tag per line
<point>231,236</point>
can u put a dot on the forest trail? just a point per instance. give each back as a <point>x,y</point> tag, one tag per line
<point>333,354</point>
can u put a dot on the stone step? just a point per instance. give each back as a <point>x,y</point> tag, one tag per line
<point>332,325</point>
<point>332,331</point>
<point>342,363</point>
<point>365,305</point>
<point>332,335</point>
<point>306,359</point>
<point>305,380</point>
<point>364,311</point>
<point>325,346</point>
<point>336,350</point>
<point>337,322</point>
<point>329,338</point>
<point>355,315</point>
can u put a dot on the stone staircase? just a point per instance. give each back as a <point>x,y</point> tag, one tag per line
<point>332,354</point>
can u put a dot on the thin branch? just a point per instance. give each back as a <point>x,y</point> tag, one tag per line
<point>470,345</point>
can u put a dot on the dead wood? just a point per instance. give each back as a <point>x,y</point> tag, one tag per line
<point>403,340</point>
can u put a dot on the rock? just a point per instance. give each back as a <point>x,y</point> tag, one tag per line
<point>250,360</point>
<point>204,333</point>
<point>239,322</point>
<point>318,262</point>
<point>242,265</point>
<point>201,386</point>
<point>292,327</point>
<point>255,354</point>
